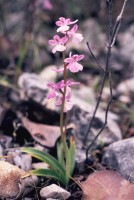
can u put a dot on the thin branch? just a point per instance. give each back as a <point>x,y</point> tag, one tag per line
<point>107,72</point>
<point>95,110</point>
<point>103,127</point>
<point>118,23</point>
<point>110,13</point>
<point>110,8</point>
<point>94,57</point>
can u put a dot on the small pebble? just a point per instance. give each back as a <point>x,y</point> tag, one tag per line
<point>54,191</point>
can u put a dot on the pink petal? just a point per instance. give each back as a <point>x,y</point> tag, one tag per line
<point>59,23</point>
<point>56,37</point>
<point>62,18</point>
<point>63,40</point>
<point>70,34</point>
<point>80,57</point>
<point>59,101</point>
<point>51,85</point>
<point>77,37</point>
<point>68,93</point>
<point>70,82</point>
<point>74,29</point>
<point>74,21</point>
<point>54,49</point>
<point>58,47</point>
<point>59,85</point>
<point>51,95</point>
<point>68,60</point>
<point>75,67</point>
<point>67,21</point>
<point>68,106</point>
<point>52,42</point>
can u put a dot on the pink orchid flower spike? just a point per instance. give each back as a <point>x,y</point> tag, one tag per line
<point>72,63</point>
<point>58,43</point>
<point>64,24</point>
<point>76,37</point>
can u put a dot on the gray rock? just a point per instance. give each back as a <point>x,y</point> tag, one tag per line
<point>125,87</point>
<point>48,74</point>
<point>126,40</point>
<point>21,160</point>
<point>51,199</point>
<point>81,117</point>
<point>80,158</point>
<point>120,156</point>
<point>5,141</point>
<point>54,191</point>
<point>33,87</point>
<point>12,182</point>
<point>40,165</point>
<point>1,150</point>
<point>93,33</point>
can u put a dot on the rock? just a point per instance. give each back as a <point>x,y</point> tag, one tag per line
<point>11,184</point>
<point>40,165</point>
<point>125,87</point>
<point>126,40</point>
<point>81,117</point>
<point>33,87</point>
<point>120,156</point>
<point>54,191</point>
<point>80,158</point>
<point>5,141</point>
<point>84,93</point>
<point>48,74</point>
<point>93,34</point>
<point>23,161</point>
<point>125,99</point>
<point>1,151</point>
<point>51,199</point>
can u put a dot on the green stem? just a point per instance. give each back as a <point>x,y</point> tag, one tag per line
<point>63,132</point>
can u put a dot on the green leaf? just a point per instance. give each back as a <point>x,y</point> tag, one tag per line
<point>45,157</point>
<point>60,153</point>
<point>48,173</point>
<point>67,160</point>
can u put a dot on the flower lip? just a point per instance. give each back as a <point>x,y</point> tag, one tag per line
<point>72,63</point>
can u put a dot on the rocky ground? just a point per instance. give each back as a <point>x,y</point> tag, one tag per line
<point>28,118</point>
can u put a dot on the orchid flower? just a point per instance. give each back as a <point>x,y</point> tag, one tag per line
<point>68,104</point>
<point>55,87</point>
<point>72,63</point>
<point>58,43</point>
<point>59,86</point>
<point>76,37</point>
<point>64,24</point>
